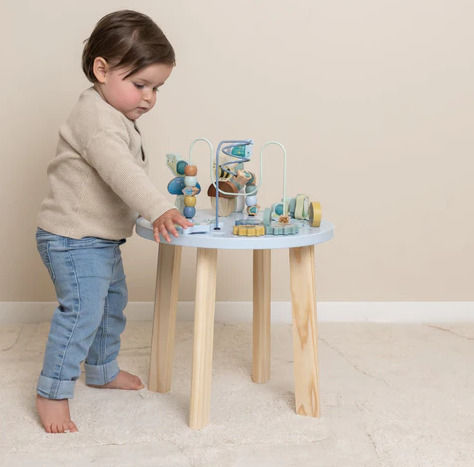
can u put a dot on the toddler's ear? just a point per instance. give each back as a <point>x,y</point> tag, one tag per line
<point>100,68</point>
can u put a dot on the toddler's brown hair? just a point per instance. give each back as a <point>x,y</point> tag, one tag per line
<point>126,39</point>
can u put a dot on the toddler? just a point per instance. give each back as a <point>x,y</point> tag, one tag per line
<point>98,185</point>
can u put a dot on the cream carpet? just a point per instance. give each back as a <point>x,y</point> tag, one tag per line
<point>391,395</point>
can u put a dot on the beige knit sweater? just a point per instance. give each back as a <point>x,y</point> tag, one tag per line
<point>98,181</point>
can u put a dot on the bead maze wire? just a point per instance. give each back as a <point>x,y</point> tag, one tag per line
<point>240,150</point>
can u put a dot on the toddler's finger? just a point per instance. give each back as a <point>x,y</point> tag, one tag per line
<point>164,232</point>
<point>171,228</point>
<point>156,234</point>
<point>183,222</point>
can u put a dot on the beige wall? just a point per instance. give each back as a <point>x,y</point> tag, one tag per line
<point>373,99</point>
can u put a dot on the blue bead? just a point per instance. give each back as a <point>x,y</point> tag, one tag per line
<point>279,209</point>
<point>189,212</point>
<point>251,210</point>
<point>175,186</point>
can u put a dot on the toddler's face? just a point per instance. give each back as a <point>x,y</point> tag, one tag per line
<point>135,95</point>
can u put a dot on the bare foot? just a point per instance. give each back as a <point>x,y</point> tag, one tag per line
<point>54,415</point>
<point>123,380</point>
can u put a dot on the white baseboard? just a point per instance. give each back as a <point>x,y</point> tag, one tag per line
<point>234,312</point>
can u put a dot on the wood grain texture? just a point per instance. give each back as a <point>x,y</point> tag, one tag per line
<point>261,316</point>
<point>303,297</point>
<point>203,337</point>
<point>164,318</point>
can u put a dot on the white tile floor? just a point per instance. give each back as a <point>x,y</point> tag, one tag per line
<point>391,395</point>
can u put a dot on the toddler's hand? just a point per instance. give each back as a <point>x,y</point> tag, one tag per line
<point>166,223</point>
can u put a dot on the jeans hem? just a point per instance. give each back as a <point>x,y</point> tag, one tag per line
<point>54,388</point>
<point>99,375</point>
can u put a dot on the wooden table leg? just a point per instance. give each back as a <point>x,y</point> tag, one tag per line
<point>261,315</point>
<point>205,302</point>
<point>164,318</point>
<point>303,298</point>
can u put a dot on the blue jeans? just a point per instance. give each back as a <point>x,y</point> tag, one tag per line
<point>92,294</point>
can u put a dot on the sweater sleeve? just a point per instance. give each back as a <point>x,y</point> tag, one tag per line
<point>108,153</point>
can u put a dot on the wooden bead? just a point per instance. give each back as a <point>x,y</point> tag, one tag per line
<point>190,201</point>
<point>243,177</point>
<point>181,166</point>
<point>190,181</point>
<point>189,212</point>
<point>192,190</point>
<point>235,182</point>
<point>250,200</point>
<point>252,210</point>
<point>190,170</point>
<point>175,186</point>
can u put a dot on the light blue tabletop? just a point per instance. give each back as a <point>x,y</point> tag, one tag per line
<point>225,239</point>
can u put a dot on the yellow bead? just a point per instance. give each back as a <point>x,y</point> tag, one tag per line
<point>190,201</point>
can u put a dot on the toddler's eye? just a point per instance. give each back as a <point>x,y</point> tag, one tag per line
<point>155,89</point>
<point>138,86</point>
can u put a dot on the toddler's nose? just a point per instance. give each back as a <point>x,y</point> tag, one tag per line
<point>147,96</point>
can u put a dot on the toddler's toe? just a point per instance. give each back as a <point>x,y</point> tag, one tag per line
<point>71,427</point>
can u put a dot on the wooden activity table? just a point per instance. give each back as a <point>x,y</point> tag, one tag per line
<point>303,298</point>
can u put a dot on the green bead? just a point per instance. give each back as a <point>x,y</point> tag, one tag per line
<point>180,165</point>
<point>251,189</point>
